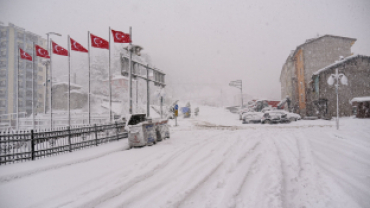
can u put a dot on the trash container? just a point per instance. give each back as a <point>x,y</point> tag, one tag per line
<point>140,131</point>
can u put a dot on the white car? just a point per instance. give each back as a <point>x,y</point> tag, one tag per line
<point>291,116</point>
<point>243,111</point>
<point>252,117</point>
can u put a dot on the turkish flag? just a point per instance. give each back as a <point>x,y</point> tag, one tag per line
<point>77,47</point>
<point>25,55</point>
<point>41,52</point>
<point>121,37</point>
<point>98,42</point>
<point>57,49</point>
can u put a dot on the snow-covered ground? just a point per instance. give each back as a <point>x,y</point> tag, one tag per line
<point>210,161</point>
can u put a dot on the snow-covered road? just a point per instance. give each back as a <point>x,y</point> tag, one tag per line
<point>303,164</point>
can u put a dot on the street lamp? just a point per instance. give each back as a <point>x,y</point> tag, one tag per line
<point>344,81</point>
<point>47,64</point>
<point>132,49</point>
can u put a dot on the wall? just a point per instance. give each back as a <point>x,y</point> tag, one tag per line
<point>299,71</point>
<point>358,73</point>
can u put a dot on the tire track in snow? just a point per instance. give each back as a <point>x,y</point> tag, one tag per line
<point>81,199</point>
<point>159,189</point>
<point>230,166</point>
<point>119,187</point>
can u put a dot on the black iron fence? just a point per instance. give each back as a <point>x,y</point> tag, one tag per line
<point>32,145</point>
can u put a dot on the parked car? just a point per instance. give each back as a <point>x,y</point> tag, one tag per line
<point>252,117</point>
<point>271,117</point>
<point>243,111</point>
<point>291,116</point>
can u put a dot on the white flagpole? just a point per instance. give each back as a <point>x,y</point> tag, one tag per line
<point>69,82</point>
<point>33,63</point>
<point>19,54</point>
<point>89,72</point>
<point>130,75</point>
<point>109,80</point>
<point>51,85</point>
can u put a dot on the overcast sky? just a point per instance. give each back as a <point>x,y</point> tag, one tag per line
<point>208,41</point>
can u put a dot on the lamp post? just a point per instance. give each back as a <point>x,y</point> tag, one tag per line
<point>238,84</point>
<point>344,81</point>
<point>46,80</point>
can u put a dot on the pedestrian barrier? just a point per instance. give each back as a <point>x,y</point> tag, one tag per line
<point>32,145</point>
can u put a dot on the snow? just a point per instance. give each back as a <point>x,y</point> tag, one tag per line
<point>210,161</point>
<point>338,63</point>
<point>360,99</point>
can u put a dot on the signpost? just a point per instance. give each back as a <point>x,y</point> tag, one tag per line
<point>176,112</point>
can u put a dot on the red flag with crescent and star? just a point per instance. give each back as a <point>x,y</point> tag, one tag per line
<point>25,55</point>
<point>98,42</point>
<point>41,52</point>
<point>57,49</point>
<point>121,37</point>
<point>77,47</point>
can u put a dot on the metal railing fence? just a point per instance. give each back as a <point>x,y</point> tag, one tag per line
<point>32,145</point>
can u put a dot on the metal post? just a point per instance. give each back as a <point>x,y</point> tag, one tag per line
<point>109,80</point>
<point>51,91</point>
<point>137,96</point>
<point>147,91</point>
<point>47,34</point>
<point>337,89</point>
<point>89,74</point>
<point>130,75</point>
<point>69,81</point>
<point>32,146</point>
<point>18,91</point>
<point>161,101</point>
<point>33,58</point>
<point>241,91</point>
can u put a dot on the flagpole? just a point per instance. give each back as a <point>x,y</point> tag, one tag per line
<point>69,81</point>
<point>109,80</point>
<point>130,74</point>
<point>51,88</point>
<point>33,63</point>
<point>89,72</point>
<point>18,90</point>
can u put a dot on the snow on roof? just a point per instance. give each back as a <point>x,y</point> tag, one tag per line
<point>76,92</point>
<point>338,63</point>
<point>117,77</point>
<point>360,99</point>
<point>66,83</point>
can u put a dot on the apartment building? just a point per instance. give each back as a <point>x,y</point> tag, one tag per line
<point>307,58</point>
<point>11,38</point>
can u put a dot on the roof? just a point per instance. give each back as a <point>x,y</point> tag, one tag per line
<point>318,38</point>
<point>117,77</point>
<point>360,99</point>
<point>338,63</point>
<point>66,83</point>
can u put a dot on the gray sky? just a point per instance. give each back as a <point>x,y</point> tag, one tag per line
<point>208,41</point>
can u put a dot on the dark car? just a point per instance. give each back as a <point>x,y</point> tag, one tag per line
<point>274,117</point>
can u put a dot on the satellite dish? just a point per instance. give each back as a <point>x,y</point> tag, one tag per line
<point>330,80</point>
<point>344,80</point>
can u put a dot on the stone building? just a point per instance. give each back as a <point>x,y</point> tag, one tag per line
<point>357,70</point>
<point>307,58</point>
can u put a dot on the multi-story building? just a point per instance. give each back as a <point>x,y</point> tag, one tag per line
<point>11,38</point>
<point>307,58</point>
